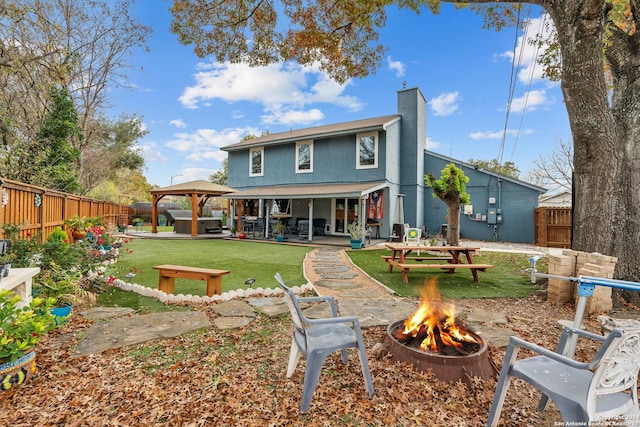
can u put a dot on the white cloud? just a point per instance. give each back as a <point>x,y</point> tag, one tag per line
<point>431,144</point>
<point>498,134</point>
<point>527,52</point>
<point>179,123</point>
<point>396,66</point>
<point>150,153</point>
<point>206,139</point>
<point>292,117</point>
<point>193,174</point>
<point>217,155</point>
<point>444,104</point>
<point>530,101</point>
<point>279,88</point>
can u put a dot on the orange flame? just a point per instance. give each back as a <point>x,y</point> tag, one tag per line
<point>436,319</point>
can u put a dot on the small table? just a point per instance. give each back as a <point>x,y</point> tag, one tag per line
<point>168,274</point>
<point>400,251</point>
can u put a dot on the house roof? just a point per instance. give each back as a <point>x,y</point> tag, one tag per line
<point>540,190</point>
<point>356,189</point>
<point>346,128</point>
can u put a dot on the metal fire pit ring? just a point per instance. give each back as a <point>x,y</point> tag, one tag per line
<point>445,368</point>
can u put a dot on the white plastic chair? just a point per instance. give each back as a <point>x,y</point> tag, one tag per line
<point>317,338</point>
<point>604,388</point>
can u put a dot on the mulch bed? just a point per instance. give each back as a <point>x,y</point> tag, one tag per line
<point>237,377</point>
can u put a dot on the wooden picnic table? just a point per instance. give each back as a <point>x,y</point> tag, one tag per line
<point>399,258</point>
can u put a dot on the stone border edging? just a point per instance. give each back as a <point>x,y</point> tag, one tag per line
<point>196,299</point>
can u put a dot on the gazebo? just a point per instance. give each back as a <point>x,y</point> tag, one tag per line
<point>197,191</point>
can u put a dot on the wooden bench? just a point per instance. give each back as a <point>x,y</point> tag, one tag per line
<point>421,258</point>
<point>168,274</point>
<point>405,267</point>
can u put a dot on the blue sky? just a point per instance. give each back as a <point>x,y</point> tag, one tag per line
<point>192,107</point>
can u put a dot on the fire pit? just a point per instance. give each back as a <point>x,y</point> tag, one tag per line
<point>432,338</point>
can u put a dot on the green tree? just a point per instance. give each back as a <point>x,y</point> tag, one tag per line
<point>48,159</point>
<point>596,39</point>
<point>83,46</point>
<point>507,168</point>
<point>114,149</point>
<point>59,169</point>
<point>451,188</point>
<point>220,176</point>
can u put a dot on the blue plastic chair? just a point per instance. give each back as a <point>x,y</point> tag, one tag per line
<point>317,338</point>
<point>585,393</point>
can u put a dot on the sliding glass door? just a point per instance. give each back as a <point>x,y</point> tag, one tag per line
<point>345,211</point>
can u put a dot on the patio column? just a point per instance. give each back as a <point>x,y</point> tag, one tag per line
<point>310,231</point>
<point>154,214</point>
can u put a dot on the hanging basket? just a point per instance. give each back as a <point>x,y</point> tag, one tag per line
<point>18,372</point>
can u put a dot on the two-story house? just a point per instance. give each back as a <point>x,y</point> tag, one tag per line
<point>370,170</point>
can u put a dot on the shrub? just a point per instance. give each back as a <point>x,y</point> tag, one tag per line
<point>58,235</point>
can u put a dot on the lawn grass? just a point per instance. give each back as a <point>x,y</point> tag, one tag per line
<point>243,259</point>
<point>506,280</point>
<point>261,261</point>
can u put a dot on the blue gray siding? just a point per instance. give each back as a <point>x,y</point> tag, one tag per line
<point>516,199</point>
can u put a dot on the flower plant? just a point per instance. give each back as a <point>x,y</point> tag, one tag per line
<point>22,328</point>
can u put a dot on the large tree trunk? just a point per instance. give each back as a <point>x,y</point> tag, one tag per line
<point>453,223</point>
<point>606,129</point>
<point>605,123</point>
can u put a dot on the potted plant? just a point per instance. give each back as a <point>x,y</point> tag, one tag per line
<point>78,226</point>
<point>162,220</point>
<point>357,232</point>
<point>22,327</point>
<point>137,222</point>
<point>279,230</point>
<point>63,286</point>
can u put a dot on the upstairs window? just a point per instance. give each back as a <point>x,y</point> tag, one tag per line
<point>304,156</point>
<point>256,161</point>
<point>367,150</point>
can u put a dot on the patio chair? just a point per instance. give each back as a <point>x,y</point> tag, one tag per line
<point>412,236</point>
<point>317,338</point>
<point>602,389</point>
<point>303,229</point>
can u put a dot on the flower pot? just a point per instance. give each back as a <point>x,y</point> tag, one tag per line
<point>241,235</point>
<point>61,313</point>
<point>122,228</point>
<point>18,372</point>
<point>356,244</point>
<point>79,235</point>
<point>280,238</point>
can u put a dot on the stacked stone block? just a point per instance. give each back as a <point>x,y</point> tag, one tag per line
<point>575,264</point>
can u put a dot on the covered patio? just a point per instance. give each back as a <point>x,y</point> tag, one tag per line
<point>336,205</point>
<point>198,192</point>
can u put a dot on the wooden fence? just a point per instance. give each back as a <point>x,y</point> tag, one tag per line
<point>39,210</point>
<point>553,227</point>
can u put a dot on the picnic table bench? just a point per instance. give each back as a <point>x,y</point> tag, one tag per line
<point>400,251</point>
<point>168,274</point>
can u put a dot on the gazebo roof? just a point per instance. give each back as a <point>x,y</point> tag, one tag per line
<point>199,186</point>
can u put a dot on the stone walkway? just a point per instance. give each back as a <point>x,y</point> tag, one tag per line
<point>328,269</point>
